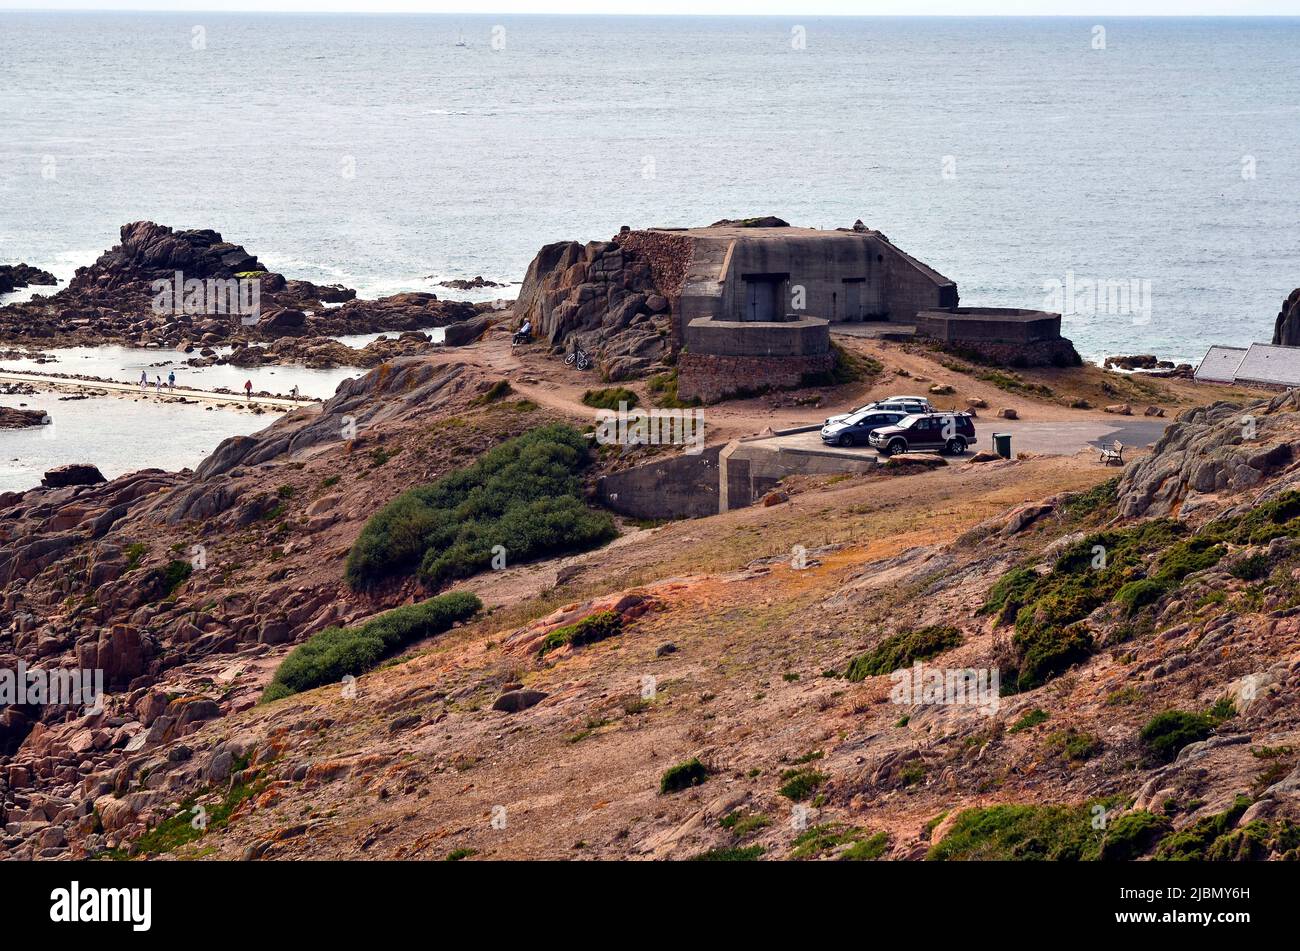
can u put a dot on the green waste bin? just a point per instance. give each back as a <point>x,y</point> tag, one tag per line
<point>1002,444</point>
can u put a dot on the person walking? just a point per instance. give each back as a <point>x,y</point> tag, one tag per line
<point>293,393</point>
<point>171,381</point>
<point>248,389</point>
<point>144,382</point>
<point>157,384</point>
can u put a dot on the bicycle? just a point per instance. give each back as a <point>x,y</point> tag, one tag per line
<point>579,357</point>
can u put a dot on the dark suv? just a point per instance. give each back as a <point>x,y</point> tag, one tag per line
<point>927,432</point>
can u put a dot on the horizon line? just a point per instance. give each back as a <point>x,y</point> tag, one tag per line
<point>664,16</point>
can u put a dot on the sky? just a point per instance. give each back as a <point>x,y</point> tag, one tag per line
<point>794,8</point>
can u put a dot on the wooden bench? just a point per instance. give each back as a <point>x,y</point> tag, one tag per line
<point>1114,454</point>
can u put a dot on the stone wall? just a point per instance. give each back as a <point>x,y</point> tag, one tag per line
<point>1000,335</point>
<point>669,255</point>
<point>1043,353</point>
<point>801,337</point>
<point>963,325</point>
<point>748,470</point>
<point>684,486</point>
<point>710,378</point>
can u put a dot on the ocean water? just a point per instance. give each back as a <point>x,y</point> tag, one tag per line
<point>124,365</point>
<point>117,434</point>
<point>1007,153</point>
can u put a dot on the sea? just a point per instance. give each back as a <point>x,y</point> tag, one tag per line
<point>1143,175</point>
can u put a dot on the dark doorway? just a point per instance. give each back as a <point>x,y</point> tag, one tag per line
<point>763,296</point>
<point>853,304</point>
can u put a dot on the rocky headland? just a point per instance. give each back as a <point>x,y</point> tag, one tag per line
<point>603,296</point>
<point>115,300</point>
<point>1286,329</point>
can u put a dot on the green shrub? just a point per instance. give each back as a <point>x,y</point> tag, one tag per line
<point>742,824</point>
<point>866,850</point>
<point>902,650</point>
<point>799,784</point>
<point>610,398</point>
<point>1185,557</point>
<point>1043,653</point>
<point>663,387</point>
<point>913,773</point>
<point>335,652</point>
<point>1099,499</point>
<point>1044,832</point>
<point>175,574</point>
<point>179,829</point>
<point>1278,518</point>
<point>1030,719</point>
<point>847,367</point>
<point>134,552</point>
<point>1074,745</point>
<point>1251,568</point>
<point>1014,383</point>
<point>1123,696</point>
<point>523,495</point>
<point>817,840</point>
<point>683,776</point>
<point>1257,841</point>
<point>1015,832</point>
<point>1009,594</point>
<point>497,391</point>
<point>1136,595</point>
<point>1224,709</point>
<point>1168,732</point>
<point>1132,835</point>
<point>1047,608</point>
<point>592,628</point>
<point>1194,842</point>
<point>743,853</point>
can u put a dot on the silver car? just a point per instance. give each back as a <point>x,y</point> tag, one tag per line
<point>855,429</point>
<point>906,405</point>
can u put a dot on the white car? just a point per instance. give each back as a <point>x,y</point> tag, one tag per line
<point>907,405</point>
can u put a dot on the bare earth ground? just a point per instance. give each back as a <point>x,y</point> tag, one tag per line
<point>578,774</point>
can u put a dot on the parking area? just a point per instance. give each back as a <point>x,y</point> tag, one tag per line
<point>1042,438</point>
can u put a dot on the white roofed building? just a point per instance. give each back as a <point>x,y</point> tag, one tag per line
<point>1262,364</point>
<point>1266,364</point>
<point>1219,365</point>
